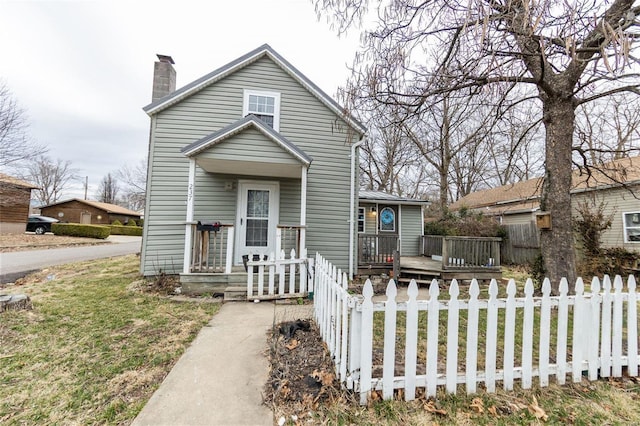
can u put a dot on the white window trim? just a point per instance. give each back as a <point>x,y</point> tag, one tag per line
<point>625,227</point>
<point>364,220</point>
<point>276,106</point>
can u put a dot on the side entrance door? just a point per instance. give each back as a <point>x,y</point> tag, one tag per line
<point>257,218</point>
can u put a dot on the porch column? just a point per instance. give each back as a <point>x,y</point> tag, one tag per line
<point>303,209</point>
<point>189,219</point>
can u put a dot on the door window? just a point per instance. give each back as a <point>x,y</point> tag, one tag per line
<point>257,218</point>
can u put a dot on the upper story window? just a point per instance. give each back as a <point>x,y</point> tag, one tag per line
<point>264,105</point>
<point>631,227</point>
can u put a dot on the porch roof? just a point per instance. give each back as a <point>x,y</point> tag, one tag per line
<point>248,163</point>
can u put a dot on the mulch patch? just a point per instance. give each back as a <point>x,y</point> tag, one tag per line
<point>302,371</point>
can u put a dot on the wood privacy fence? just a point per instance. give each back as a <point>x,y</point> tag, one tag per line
<point>293,276</point>
<point>523,244</point>
<point>381,345</point>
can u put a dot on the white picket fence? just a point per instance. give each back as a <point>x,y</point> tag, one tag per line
<point>588,334</point>
<point>292,275</point>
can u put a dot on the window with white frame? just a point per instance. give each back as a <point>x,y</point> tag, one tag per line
<point>264,105</point>
<point>361,211</point>
<point>631,222</point>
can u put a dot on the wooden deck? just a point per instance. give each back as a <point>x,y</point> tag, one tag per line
<point>424,269</point>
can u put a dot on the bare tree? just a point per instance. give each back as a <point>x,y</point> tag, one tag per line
<point>608,129</point>
<point>571,53</point>
<point>15,145</point>
<point>134,179</point>
<point>108,190</point>
<point>51,177</point>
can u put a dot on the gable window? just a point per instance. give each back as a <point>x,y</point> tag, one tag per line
<point>361,211</point>
<point>264,105</point>
<point>631,222</point>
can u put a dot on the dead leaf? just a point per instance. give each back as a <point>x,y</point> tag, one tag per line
<point>431,407</point>
<point>477,405</point>
<point>537,411</point>
<point>292,344</point>
<point>493,410</point>
<point>324,377</point>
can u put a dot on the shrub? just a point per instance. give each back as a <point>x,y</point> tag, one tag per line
<point>126,230</point>
<point>116,223</point>
<point>132,222</point>
<point>141,222</point>
<point>78,230</point>
<point>465,223</point>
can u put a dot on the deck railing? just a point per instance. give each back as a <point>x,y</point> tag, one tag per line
<point>463,252</point>
<point>211,250</point>
<point>376,249</point>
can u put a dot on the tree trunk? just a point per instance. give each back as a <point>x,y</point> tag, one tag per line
<point>557,243</point>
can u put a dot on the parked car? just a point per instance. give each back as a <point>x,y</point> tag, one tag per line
<point>40,224</point>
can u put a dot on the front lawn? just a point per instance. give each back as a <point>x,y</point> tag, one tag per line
<point>94,348</point>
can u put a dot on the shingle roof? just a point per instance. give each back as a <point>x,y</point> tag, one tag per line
<point>241,62</point>
<point>240,125</point>
<point>15,181</point>
<point>607,175</point>
<point>107,207</point>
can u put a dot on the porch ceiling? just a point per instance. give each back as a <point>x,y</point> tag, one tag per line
<point>250,168</point>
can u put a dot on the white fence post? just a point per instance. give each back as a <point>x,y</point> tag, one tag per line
<point>632,327</point>
<point>594,327</point>
<point>545,332</point>
<point>605,340</point>
<point>527,336</point>
<point>577,343</point>
<point>452,337</point>
<point>561,343</point>
<point>509,335</point>
<point>366,342</point>
<point>492,337</point>
<point>433,313</point>
<point>411,342</point>
<point>472,338</point>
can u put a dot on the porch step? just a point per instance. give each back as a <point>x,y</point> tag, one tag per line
<point>235,293</point>
<point>205,283</point>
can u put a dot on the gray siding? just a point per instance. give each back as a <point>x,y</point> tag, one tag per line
<point>304,120</point>
<point>616,202</point>
<point>411,229</point>
<point>250,144</point>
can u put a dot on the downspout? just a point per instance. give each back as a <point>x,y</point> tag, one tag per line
<point>352,203</point>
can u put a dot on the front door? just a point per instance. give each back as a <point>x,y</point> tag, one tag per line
<point>257,218</point>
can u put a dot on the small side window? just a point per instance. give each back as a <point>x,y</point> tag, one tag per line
<point>631,223</point>
<point>361,211</point>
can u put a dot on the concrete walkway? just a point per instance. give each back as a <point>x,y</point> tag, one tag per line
<point>219,379</point>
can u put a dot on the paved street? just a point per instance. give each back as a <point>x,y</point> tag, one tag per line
<point>14,265</point>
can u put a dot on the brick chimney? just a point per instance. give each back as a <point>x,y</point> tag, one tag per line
<point>164,77</point>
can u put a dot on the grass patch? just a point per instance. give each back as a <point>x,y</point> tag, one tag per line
<point>92,350</point>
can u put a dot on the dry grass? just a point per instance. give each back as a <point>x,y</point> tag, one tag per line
<point>21,242</point>
<point>92,350</point>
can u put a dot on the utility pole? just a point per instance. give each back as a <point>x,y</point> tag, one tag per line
<point>86,185</point>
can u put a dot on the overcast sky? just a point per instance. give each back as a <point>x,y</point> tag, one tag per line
<point>82,70</point>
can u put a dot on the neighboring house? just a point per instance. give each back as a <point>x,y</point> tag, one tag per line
<point>15,196</point>
<point>618,188</point>
<point>258,147</point>
<point>88,212</point>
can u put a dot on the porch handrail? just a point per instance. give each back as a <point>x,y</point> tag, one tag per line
<point>211,251</point>
<point>288,237</point>
<point>462,252</point>
<point>377,249</point>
